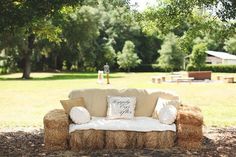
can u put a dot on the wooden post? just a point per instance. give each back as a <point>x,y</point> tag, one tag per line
<point>107,71</point>
<point>108,82</point>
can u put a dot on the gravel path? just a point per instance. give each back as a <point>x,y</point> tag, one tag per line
<point>29,142</point>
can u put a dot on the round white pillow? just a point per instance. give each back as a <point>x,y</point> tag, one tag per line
<point>167,114</point>
<point>79,115</point>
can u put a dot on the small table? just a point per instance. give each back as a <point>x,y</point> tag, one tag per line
<point>229,79</point>
<point>174,77</point>
<point>187,79</point>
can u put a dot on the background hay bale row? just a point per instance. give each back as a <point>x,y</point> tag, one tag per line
<point>56,130</point>
<point>94,139</point>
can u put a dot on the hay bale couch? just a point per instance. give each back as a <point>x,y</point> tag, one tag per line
<point>60,132</point>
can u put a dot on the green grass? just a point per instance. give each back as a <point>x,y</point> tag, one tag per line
<point>23,103</point>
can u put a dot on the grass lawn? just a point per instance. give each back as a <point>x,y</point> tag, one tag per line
<point>23,103</point>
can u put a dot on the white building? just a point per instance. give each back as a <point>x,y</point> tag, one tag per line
<point>215,57</point>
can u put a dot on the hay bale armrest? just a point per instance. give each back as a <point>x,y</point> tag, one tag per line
<point>56,130</point>
<point>189,127</point>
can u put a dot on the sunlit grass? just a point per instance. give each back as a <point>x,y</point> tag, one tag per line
<point>25,102</point>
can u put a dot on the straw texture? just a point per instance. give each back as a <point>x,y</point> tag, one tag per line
<point>87,140</point>
<point>130,139</point>
<point>120,139</point>
<point>186,132</point>
<point>189,127</point>
<point>190,145</point>
<point>56,130</point>
<point>95,139</point>
<point>163,139</point>
<point>189,115</point>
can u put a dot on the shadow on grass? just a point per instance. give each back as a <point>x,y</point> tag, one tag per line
<point>75,76</point>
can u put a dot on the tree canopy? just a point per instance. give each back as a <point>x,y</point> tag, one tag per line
<point>198,56</point>
<point>230,45</point>
<point>171,56</point>
<point>128,58</point>
<point>83,35</point>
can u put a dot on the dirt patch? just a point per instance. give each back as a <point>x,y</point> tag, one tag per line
<point>29,142</point>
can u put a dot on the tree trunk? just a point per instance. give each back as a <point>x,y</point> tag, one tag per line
<point>27,66</point>
<point>55,62</point>
<point>27,57</point>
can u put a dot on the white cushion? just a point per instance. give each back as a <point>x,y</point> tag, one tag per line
<point>162,103</point>
<point>168,114</point>
<point>120,107</point>
<point>140,124</point>
<point>79,115</point>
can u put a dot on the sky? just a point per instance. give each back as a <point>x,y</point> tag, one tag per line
<point>142,4</point>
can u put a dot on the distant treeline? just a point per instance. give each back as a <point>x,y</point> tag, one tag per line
<point>83,35</point>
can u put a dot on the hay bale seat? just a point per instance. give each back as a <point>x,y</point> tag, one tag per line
<point>87,140</point>
<point>188,136</point>
<point>56,130</point>
<point>189,127</point>
<point>97,139</point>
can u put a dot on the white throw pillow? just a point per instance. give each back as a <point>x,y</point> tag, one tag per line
<point>120,107</point>
<point>79,115</point>
<point>162,103</point>
<point>168,114</point>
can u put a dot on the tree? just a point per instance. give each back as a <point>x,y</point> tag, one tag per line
<point>30,16</point>
<point>128,58</point>
<point>80,30</point>
<point>230,45</point>
<point>198,56</point>
<point>106,54</point>
<point>171,56</point>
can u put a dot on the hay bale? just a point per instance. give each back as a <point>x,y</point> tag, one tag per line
<point>56,139</point>
<point>151,140</point>
<point>55,136</point>
<point>130,139</point>
<point>189,144</point>
<point>140,140</point>
<point>87,140</point>
<point>56,119</point>
<point>186,132</point>
<point>189,123</point>
<point>161,139</point>
<point>120,139</point>
<point>56,130</point>
<point>189,115</point>
<point>166,139</point>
